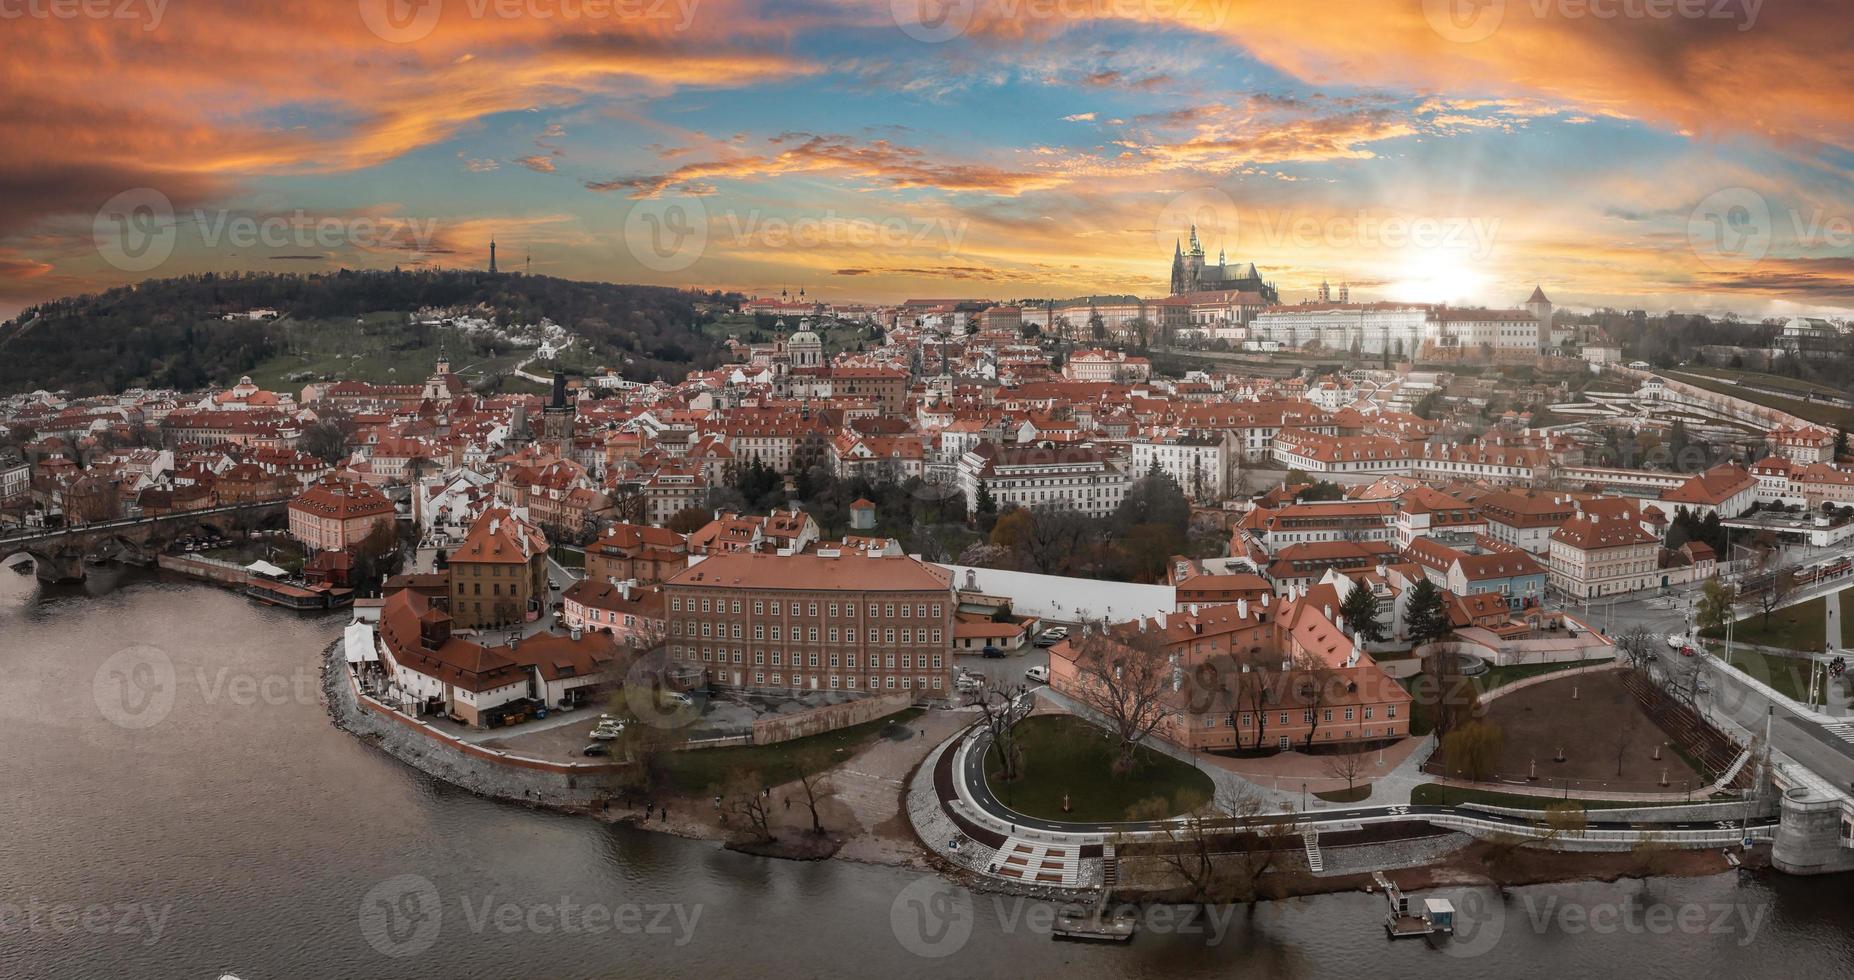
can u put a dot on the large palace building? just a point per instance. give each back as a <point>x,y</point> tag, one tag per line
<point>1190,274</point>
<point>856,625</point>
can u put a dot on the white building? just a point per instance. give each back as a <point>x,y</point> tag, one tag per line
<point>1199,462</point>
<point>1077,477</point>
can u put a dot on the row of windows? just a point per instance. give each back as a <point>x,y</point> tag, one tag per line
<point>837,610</point>
<point>908,661</point>
<point>725,631</point>
<point>1306,716</point>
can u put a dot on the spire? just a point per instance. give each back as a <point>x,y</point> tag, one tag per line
<point>492,256</point>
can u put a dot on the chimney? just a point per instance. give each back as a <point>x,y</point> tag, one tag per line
<point>1327,610</point>
<point>1242,609</point>
<point>575,634</point>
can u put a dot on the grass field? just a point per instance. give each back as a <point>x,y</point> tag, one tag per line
<point>371,349</point>
<point>1830,415</point>
<point>1063,754</point>
<point>701,771</point>
<point>1799,627</point>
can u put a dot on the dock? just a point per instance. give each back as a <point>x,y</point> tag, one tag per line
<point>1437,916</point>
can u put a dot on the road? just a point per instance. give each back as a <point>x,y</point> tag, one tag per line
<point>980,790</point>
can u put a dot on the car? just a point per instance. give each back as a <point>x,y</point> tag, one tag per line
<point>676,699</point>
<point>1039,674</point>
<point>1052,636</point>
<point>596,748</point>
<point>992,653</point>
<point>1686,651</point>
<point>1675,641</point>
<point>968,682</point>
<point>606,733</point>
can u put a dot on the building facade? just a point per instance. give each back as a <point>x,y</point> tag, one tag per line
<point>800,623</point>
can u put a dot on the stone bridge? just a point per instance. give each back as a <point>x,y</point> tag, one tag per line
<point>59,553</point>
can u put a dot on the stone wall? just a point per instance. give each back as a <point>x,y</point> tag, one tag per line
<point>783,728</point>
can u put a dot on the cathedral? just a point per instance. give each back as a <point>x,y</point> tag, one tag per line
<point>1191,275</point>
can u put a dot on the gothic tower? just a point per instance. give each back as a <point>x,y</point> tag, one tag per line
<point>492,256</point>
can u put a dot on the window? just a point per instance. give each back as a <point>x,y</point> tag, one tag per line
<point>759,632</point>
<point>1390,711</point>
<point>736,607</point>
<point>759,607</point>
<point>833,615</point>
<point>833,634</point>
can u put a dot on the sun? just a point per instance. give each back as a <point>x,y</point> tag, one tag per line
<point>1437,276</point>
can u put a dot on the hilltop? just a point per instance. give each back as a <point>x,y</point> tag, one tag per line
<point>176,332</point>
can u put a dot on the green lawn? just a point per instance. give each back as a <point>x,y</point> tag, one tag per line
<point>1789,675</point>
<point>374,351</point>
<point>700,771</point>
<point>1064,754</point>
<point>1799,627</point>
<point>1436,794</point>
<point>1830,415</point>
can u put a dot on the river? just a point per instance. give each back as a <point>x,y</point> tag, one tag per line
<point>177,805</point>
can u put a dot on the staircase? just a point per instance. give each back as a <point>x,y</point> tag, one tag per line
<point>1315,862</point>
<point>1110,867</point>
<point>1038,863</point>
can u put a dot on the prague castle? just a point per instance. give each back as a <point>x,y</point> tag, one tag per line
<point>1191,275</point>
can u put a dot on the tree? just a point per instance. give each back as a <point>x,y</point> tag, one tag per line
<point>1004,708</point>
<point>1314,681</point>
<point>746,796</point>
<point>1715,605</point>
<point>986,507</point>
<point>1360,609</point>
<point>1622,735</point>
<point>326,440</point>
<point>1257,674</point>
<point>689,520</point>
<point>1782,583</point>
<point>1127,680</point>
<point>1426,615</point>
<point>1566,818</point>
<point>1636,644</point>
<point>1189,853</point>
<point>818,788</point>
<point>1014,529</point>
<point>1473,749</point>
<point>1347,766</point>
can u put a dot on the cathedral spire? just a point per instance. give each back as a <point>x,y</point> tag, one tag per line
<point>492,256</point>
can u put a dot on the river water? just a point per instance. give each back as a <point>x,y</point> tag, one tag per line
<point>174,803</point>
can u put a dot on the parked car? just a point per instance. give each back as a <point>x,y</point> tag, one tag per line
<point>1039,674</point>
<point>596,748</point>
<point>992,653</point>
<point>1675,641</point>
<point>1052,636</point>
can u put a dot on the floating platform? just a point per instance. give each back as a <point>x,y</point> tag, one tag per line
<point>1077,924</point>
<point>1437,916</point>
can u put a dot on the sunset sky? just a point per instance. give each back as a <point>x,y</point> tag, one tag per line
<point>864,149</point>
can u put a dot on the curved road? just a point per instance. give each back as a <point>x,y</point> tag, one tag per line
<point>980,790</point>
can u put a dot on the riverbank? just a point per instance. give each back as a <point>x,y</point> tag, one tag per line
<point>867,820</point>
<point>862,813</point>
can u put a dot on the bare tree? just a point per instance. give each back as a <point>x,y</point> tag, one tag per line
<point>1636,644</point>
<point>1624,734</point>
<point>1314,688</point>
<point>1256,692</point>
<point>818,788</point>
<point>1347,766</point>
<point>1189,852</point>
<point>1004,708</point>
<point>1782,583</point>
<point>1128,679</point>
<point>746,796</point>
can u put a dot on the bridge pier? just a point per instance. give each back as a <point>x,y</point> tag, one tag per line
<point>1813,835</point>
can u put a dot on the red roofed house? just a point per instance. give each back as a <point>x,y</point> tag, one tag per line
<point>334,515</point>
